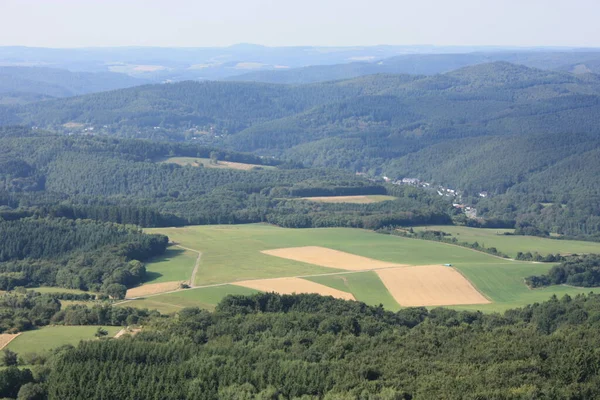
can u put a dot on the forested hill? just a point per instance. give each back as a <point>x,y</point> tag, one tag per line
<point>427,64</point>
<point>269,346</point>
<point>23,84</point>
<point>131,181</point>
<point>516,132</point>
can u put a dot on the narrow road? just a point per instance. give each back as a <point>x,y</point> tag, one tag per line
<point>195,271</point>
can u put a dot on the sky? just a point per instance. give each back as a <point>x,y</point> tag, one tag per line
<point>201,23</point>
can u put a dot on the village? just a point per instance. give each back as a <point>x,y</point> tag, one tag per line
<point>456,195</point>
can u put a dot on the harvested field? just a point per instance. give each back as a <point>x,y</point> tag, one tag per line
<point>365,199</point>
<point>153,288</point>
<point>294,285</point>
<point>325,257</point>
<point>6,338</point>
<point>432,285</point>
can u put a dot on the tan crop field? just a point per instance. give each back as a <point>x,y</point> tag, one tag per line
<point>206,163</point>
<point>364,199</point>
<point>294,285</point>
<point>6,338</point>
<point>330,258</point>
<point>153,288</point>
<point>431,285</point>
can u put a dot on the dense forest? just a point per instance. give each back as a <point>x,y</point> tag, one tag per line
<point>528,137</point>
<point>75,254</point>
<point>124,181</point>
<point>576,270</point>
<point>269,346</point>
<point>21,311</point>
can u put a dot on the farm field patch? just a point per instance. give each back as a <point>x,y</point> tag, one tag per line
<point>329,258</point>
<point>50,337</point>
<point>175,265</point>
<point>364,286</point>
<point>206,298</point>
<point>152,288</point>
<point>6,338</point>
<point>234,253</point>
<point>433,285</point>
<point>361,199</point>
<point>294,285</point>
<point>510,244</point>
<point>206,163</point>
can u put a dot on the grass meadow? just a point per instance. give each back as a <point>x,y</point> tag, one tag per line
<point>232,253</point>
<point>50,337</point>
<point>510,244</point>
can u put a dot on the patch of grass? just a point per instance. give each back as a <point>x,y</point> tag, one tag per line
<point>175,265</point>
<point>51,337</point>
<point>504,285</point>
<point>510,245</point>
<point>365,286</point>
<point>206,298</point>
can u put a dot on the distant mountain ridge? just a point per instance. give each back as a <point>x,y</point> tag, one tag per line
<point>428,64</point>
<point>36,83</point>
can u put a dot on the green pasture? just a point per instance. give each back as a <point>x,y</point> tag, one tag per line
<point>510,244</point>
<point>51,337</point>
<point>233,252</point>
<point>206,298</point>
<point>175,265</point>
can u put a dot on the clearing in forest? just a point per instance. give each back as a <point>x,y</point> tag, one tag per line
<point>364,199</point>
<point>294,285</point>
<point>153,288</point>
<point>432,285</point>
<point>207,163</point>
<point>325,257</point>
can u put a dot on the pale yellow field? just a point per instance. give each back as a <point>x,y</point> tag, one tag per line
<point>366,199</point>
<point>432,285</point>
<point>6,338</point>
<point>294,285</point>
<point>196,162</point>
<point>330,258</point>
<point>152,288</point>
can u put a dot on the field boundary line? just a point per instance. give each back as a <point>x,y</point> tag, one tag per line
<point>462,247</point>
<point>196,266</point>
<point>10,340</point>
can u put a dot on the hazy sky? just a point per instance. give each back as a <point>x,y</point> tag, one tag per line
<point>75,23</point>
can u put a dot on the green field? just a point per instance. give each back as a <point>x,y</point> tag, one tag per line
<point>50,337</point>
<point>232,253</point>
<point>175,265</point>
<point>206,162</point>
<point>365,286</point>
<point>510,245</point>
<point>206,298</point>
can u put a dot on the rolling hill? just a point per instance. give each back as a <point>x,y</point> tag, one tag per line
<point>28,84</point>
<point>428,64</point>
<point>508,129</point>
